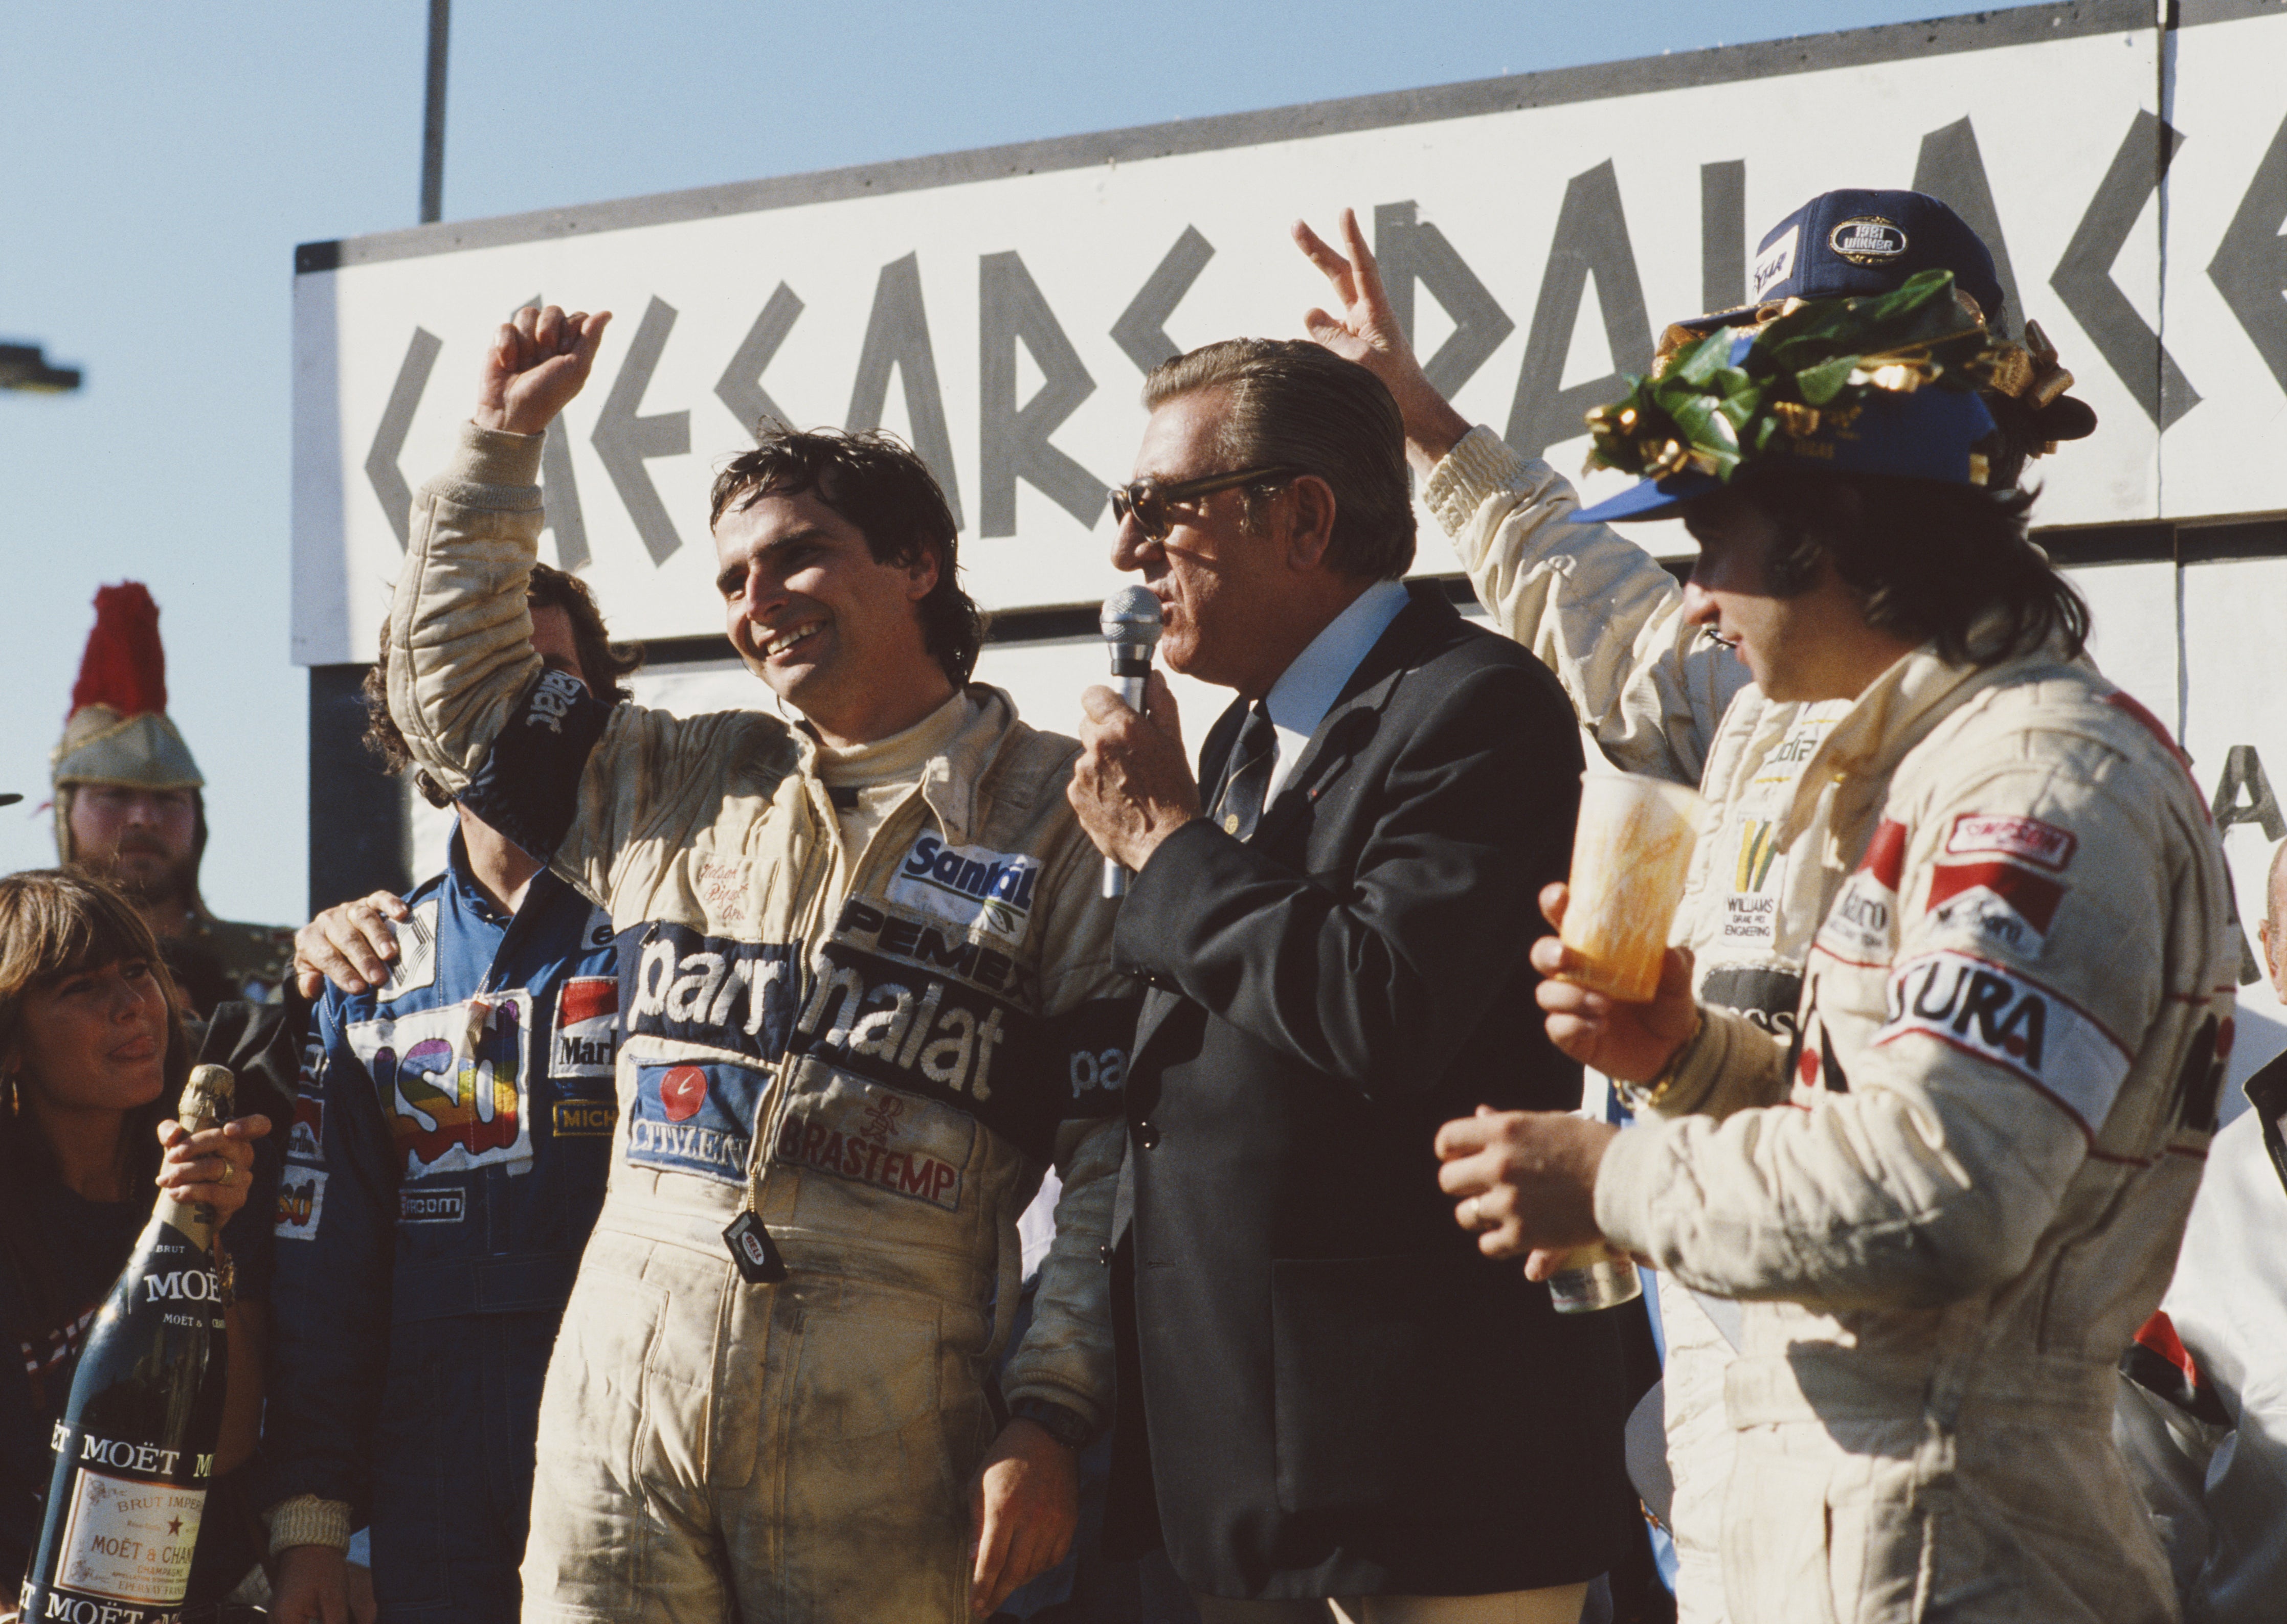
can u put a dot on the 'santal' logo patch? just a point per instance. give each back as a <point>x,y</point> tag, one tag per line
<point>969,885</point>
<point>301,1204</point>
<point>694,1119</point>
<point>2028,839</point>
<point>1867,240</point>
<point>1999,1015</point>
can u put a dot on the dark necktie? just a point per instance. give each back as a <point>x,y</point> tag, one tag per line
<point>1253,757</point>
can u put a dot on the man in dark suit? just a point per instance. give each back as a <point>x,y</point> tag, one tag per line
<point>1325,1391</point>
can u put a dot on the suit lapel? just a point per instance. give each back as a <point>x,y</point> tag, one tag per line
<point>1426,620</point>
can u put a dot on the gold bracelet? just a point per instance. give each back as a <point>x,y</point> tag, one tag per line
<point>1651,1095</point>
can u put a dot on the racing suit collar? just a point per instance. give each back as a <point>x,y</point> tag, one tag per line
<point>950,777</point>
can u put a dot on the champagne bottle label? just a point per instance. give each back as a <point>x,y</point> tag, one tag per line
<point>125,1540</point>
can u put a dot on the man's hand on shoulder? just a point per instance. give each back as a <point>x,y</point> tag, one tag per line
<point>1023,1506</point>
<point>535,364</point>
<point>349,945</point>
<point>1368,332</point>
<point>1132,785</point>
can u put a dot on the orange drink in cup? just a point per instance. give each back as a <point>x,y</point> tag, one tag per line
<point>1630,854</point>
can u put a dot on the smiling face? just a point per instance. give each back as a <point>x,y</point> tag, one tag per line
<point>138,839</point>
<point>1220,588</point>
<point>1813,645</point>
<point>834,632</point>
<point>91,1040</point>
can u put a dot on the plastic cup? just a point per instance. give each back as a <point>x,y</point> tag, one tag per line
<point>1594,1278</point>
<point>1631,854</point>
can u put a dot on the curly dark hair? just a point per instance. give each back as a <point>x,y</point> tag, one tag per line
<point>1929,561</point>
<point>603,665</point>
<point>881,484</point>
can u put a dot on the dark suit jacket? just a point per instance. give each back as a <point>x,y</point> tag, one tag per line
<point>1339,1394</point>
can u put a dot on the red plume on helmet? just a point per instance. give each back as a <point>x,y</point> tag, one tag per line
<point>124,666</point>
<point>117,731</point>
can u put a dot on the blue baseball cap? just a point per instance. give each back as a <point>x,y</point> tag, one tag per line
<point>1860,240</point>
<point>1929,434</point>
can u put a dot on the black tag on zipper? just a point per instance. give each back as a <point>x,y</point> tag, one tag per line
<point>754,1251</point>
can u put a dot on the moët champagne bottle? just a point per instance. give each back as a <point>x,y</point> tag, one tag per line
<point>135,1449</point>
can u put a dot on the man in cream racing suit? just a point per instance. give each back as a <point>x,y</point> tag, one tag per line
<point>1651,687</point>
<point>867,996</point>
<point>1955,1190</point>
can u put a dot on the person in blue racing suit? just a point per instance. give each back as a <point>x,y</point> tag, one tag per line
<point>446,1161</point>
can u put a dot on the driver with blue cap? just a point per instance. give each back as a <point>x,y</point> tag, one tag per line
<point>1652,687</point>
<point>1948,1190</point>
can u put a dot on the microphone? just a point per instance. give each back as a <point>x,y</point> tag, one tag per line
<point>1130,623</point>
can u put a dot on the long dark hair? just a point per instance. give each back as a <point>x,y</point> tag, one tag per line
<point>55,924</point>
<point>1948,564</point>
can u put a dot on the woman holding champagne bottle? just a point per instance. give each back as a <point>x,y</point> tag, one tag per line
<point>92,1059</point>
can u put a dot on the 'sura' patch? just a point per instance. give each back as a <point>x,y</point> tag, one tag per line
<point>694,1119</point>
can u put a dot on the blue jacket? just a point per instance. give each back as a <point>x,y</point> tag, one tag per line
<point>446,1160</point>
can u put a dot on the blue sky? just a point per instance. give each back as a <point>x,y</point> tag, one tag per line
<point>161,162</point>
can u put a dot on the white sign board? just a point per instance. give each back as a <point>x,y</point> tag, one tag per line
<point>999,308</point>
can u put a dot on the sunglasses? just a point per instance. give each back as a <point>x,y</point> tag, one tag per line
<point>1148,500</point>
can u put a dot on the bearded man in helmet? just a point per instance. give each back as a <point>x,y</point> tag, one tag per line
<point>129,811</point>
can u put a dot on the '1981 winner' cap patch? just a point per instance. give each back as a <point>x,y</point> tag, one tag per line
<point>1868,239</point>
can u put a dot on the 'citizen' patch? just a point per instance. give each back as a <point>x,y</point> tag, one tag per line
<point>2013,1021</point>
<point>694,1119</point>
<point>1869,239</point>
<point>968,885</point>
<point>301,1204</point>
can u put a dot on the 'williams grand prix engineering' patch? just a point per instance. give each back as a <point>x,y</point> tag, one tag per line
<point>694,1119</point>
<point>968,885</point>
<point>2007,1018</point>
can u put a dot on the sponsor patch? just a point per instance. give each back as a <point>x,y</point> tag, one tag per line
<point>1994,902</point>
<point>585,1041</point>
<point>600,931</point>
<point>1863,924</point>
<point>865,1134</point>
<point>2028,839</point>
<point>454,1082</point>
<point>740,996</point>
<point>301,1204</point>
<point>585,1119</point>
<point>1751,919</point>
<point>1757,846</point>
<point>448,1206</point>
<point>969,885</point>
<point>552,699</point>
<point>2014,1022</point>
<point>727,890</point>
<point>1766,994</point>
<point>305,1140</point>
<point>1774,263</point>
<point>694,1119</point>
<point>1868,239</point>
<point>416,955</point>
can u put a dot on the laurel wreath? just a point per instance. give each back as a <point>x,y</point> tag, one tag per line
<point>1815,365</point>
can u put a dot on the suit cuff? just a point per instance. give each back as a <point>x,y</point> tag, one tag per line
<point>307,1520</point>
<point>495,457</point>
<point>1481,464</point>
